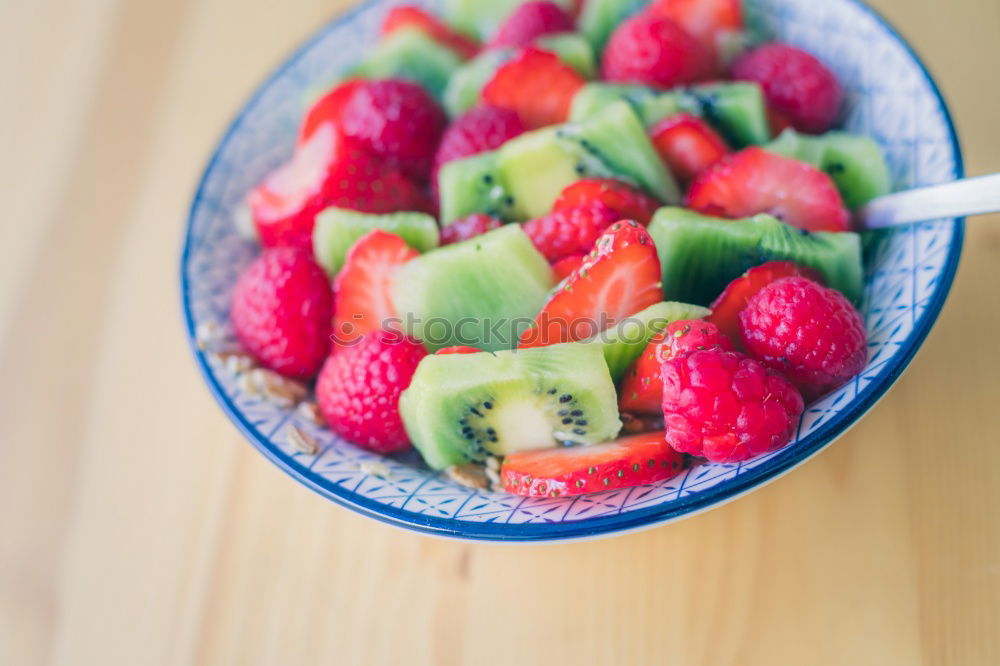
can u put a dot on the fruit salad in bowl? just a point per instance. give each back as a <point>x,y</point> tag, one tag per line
<point>541,270</point>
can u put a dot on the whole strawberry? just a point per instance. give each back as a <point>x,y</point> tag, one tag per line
<point>797,86</point>
<point>530,21</point>
<point>656,51</point>
<point>397,121</point>
<point>358,390</point>
<point>727,407</point>
<point>569,231</point>
<point>809,333</point>
<point>477,130</point>
<point>281,312</point>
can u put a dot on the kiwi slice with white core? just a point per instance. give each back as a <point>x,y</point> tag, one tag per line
<point>462,408</point>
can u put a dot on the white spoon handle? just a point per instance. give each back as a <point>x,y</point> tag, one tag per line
<point>969,196</point>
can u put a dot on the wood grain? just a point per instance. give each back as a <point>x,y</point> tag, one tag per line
<point>139,528</point>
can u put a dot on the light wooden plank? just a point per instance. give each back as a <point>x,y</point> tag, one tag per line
<point>139,528</point>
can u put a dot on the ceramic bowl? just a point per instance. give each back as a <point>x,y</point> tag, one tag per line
<point>909,272</point>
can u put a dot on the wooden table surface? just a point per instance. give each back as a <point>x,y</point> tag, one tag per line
<point>137,527</point>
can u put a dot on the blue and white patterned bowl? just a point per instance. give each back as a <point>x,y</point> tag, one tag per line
<point>909,272</point>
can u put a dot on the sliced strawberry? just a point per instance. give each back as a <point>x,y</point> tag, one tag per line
<point>285,205</point>
<point>711,22</point>
<point>570,231</point>
<point>687,145</point>
<point>474,225</point>
<point>565,266</point>
<point>412,16</point>
<point>756,181</point>
<point>628,202</point>
<point>535,84</point>
<point>578,470</point>
<point>328,109</point>
<point>325,171</point>
<point>642,388</point>
<point>620,277</point>
<point>458,349</point>
<point>362,290</point>
<point>727,307</point>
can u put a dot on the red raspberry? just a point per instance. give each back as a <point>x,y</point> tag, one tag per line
<point>468,227</point>
<point>281,312</point>
<point>358,390</point>
<point>809,333</point>
<point>796,85</point>
<point>475,131</point>
<point>727,407</point>
<point>655,51</point>
<point>570,231</point>
<point>530,21</point>
<point>398,121</point>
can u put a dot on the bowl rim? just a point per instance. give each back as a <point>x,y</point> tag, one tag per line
<point>778,465</point>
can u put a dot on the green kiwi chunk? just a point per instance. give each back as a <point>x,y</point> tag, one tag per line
<point>482,292</point>
<point>536,166</point>
<point>736,110</point>
<point>700,255</point>
<point>474,185</point>
<point>618,139</point>
<point>462,408</point>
